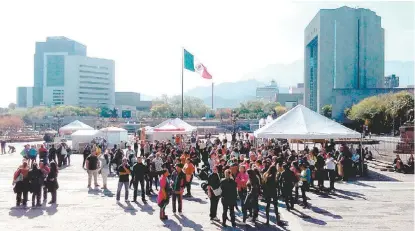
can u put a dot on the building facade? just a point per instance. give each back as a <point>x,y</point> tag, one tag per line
<point>344,49</point>
<point>24,97</point>
<point>133,100</point>
<point>391,81</point>
<point>267,93</point>
<point>64,75</point>
<point>299,89</point>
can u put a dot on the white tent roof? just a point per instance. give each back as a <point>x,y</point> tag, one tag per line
<point>178,123</point>
<point>303,123</point>
<point>75,125</point>
<point>113,129</point>
<point>86,133</point>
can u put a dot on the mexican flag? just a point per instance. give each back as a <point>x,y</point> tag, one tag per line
<point>192,64</point>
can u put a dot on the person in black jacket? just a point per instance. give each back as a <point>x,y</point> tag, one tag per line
<point>320,171</point>
<point>178,183</point>
<point>270,191</point>
<point>288,179</point>
<point>36,181</point>
<point>229,197</point>
<point>213,184</point>
<point>138,173</point>
<point>52,153</point>
<point>52,181</point>
<point>87,152</point>
<point>251,201</point>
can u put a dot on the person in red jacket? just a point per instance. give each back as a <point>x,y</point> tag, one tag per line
<point>45,170</point>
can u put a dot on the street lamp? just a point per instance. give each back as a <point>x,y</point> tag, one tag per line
<point>58,118</point>
<point>234,118</point>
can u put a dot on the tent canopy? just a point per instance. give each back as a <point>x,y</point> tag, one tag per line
<point>112,129</point>
<point>303,123</point>
<point>75,126</point>
<point>83,136</point>
<point>178,123</point>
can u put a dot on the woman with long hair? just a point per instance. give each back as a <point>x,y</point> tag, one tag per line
<point>251,201</point>
<point>164,194</point>
<point>270,191</point>
<point>52,181</point>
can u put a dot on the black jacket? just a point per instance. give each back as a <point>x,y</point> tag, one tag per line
<point>139,171</point>
<point>287,179</point>
<point>229,193</point>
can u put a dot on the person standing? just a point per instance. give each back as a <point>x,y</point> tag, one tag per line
<point>214,193</point>
<point>319,165</point>
<point>138,173</point>
<point>164,194</point>
<point>45,171</point>
<point>124,171</point>
<point>32,155</point>
<point>43,154</point>
<point>288,180</point>
<point>86,153</point>
<point>136,146</point>
<point>104,160</point>
<point>52,181</point>
<point>229,197</point>
<point>305,178</point>
<point>241,180</point>
<point>189,169</point>
<point>92,167</point>
<point>21,183</point>
<point>270,192</point>
<point>330,168</point>
<point>3,147</point>
<point>36,181</point>
<point>251,200</point>
<point>178,180</point>
<point>52,154</point>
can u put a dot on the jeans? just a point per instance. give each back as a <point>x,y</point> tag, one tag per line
<point>214,201</point>
<point>242,197</point>
<point>36,194</point>
<point>228,206</point>
<point>304,188</point>
<point>120,184</point>
<point>135,184</point>
<point>288,197</point>
<point>179,198</point>
<point>332,177</point>
<point>95,174</point>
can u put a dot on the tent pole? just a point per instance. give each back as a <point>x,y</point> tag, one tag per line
<point>362,160</point>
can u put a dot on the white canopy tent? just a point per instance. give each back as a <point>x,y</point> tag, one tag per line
<point>114,135</point>
<point>83,136</point>
<point>166,131</point>
<point>73,127</point>
<point>179,124</point>
<point>303,123</point>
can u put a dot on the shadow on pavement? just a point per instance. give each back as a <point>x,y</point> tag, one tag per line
<point>129,208</point>
<point>172,225</point>
<point>146,208</point>
<point>185,222</point>
<point>195,199</point>
<point>32,212</point>
<point>376,176</point>
<point>324,212</point>
<point>350,194</point>
<point>308,218</point>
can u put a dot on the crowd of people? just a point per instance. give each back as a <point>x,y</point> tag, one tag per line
<point>235,172</point>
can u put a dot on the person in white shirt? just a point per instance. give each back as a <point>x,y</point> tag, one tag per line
<point>331,167</point>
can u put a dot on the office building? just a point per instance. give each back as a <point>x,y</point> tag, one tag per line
<point>64,75</point>
<point>24,97</point>
<point>391,81</point>
<point>299,89</point>
<point>130,101</point>
<point>267,93</point>
<point>344,49</point>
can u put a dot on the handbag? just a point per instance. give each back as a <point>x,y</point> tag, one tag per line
<point>217,191</point>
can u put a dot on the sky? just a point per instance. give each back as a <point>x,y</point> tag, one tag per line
<point>145,38</point>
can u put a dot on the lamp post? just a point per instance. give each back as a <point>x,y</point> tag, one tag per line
<point>234,118</point>
<point>58,118</point>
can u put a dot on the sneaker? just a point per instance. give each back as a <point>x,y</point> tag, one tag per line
<point>134,201</point>
<point>180,213</point>
<point>127,200</point>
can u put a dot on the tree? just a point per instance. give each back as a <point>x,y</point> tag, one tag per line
<point>223,113</point>
<point>105,112</point>
<point>12,106</point>
<point>280,110</point>
<point>160,110</point>
<point>327,110</point>
<point>10,123</point>
<point>192,106</point>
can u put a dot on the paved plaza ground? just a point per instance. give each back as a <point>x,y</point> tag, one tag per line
<point>378,203</point>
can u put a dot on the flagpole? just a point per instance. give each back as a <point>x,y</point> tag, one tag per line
<point>182,84</point>
<point>212,95</point>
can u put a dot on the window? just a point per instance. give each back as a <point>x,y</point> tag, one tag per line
<point>55,70</point>
<point>95,88</point>
<point>90,82</point>
<point>94,72</point>
<point>92,77</point>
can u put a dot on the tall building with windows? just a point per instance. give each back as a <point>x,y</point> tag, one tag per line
<point>391,81</point>
<point>64,75</point>
<point>344,49</point>
<point>267,93</point>
<point>24,97</point>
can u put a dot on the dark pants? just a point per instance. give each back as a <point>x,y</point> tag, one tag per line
<point>179,198</point>
<point>19,197</point>
<point>214,201</point>
<point>274,201</point>
<point>304,188</point>
<point>36,194</point>
<point>296,189</point>
<point>142,152</point>
<point>135,184</point>
<point>288,197</point>
<point>163,206</point>
<point>320,178</point>
<point>242,197</point>
<point>53,196</point>
<point>45,193</point>
<point>189,185</point>
<point>83,163</point>
<point>332,177</point>
<point>253,208</point>
<point>228,206</point>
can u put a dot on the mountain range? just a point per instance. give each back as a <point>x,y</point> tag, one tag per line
<point>231,94</point>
